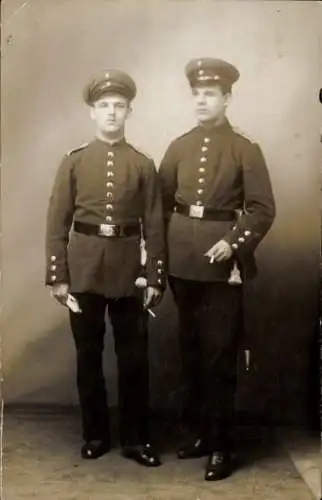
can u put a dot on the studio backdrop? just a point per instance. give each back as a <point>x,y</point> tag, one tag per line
<point>50,50</point>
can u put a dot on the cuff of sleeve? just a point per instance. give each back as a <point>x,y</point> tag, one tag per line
<point>53,277</point>
<point>156,274</point>
<point>239,239</point>
<point>156,281</point>
<point>56,267</point>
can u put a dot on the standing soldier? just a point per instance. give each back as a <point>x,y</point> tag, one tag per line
<point>107,191</point>
<point>218,206</point>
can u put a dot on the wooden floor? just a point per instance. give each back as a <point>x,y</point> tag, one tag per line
<point>304,450</point>
<point>41,460</point>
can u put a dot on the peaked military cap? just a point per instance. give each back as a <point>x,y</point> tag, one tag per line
<point>208,70</point>
<point>109,82</point>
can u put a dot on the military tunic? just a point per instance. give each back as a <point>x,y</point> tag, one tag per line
<point>219,172</point>
<point>101,183</point>
<point>223,170</point>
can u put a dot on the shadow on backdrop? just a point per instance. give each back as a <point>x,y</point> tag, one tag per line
<point>50,51</point>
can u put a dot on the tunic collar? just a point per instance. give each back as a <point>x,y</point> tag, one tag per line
<point>216,129</point>
<point>119,143</point>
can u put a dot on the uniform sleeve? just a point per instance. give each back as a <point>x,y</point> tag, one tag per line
<point>153,229</point>
<point>259,204</point>
<point>168,179</point>
<point>59,220</point>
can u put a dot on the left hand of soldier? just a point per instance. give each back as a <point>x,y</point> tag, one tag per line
<point>219,251</point>
<point>152,297</point>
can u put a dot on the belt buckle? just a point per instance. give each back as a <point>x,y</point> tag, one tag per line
<point>196,211</point>
<point>107,230</point>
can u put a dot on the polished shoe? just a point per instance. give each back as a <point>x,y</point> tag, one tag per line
<point>94,449</point>
<point>142,454</point>
<point>196,449</point>
<point>219,466</point>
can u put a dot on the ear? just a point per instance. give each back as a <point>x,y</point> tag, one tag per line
<point>129,111</point>
<point>228,98</point>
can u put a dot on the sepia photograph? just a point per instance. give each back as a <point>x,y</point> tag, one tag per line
<point>160,250</point>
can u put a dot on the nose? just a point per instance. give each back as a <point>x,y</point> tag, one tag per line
<point>200,99</point>
<point>111,110</point>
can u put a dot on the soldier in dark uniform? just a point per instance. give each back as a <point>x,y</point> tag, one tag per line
<point>218,206</point>
<point>108,193</point>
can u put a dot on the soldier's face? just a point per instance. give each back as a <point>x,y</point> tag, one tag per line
<point>110,113</point>
<point>210,103</point>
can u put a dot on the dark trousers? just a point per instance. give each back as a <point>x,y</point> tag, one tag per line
<point>129,323</point>
<point>209,333</point>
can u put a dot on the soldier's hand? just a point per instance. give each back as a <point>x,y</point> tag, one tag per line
<point>60,292</point>
<point>219,252</point>
<point>152,297</point>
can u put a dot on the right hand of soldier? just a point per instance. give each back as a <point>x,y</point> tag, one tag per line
<point>60,292</point>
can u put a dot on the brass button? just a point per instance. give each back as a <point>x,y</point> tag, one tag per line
<point>199,203</point>
<point>53,268</point>
<point>206,140</point>
<point>110,154</point>
<point>53,258</point>
<point>234,245</point>
<point>109,206</point>
<point>54,277</point>
<point>110,163</point>
<point>204,149</point>
<point>109,184</point>
<point>203,159</point>
<point>109,195</point>
<point>110,174</point>
<point>108,218</point>
<point>202,169</point>
<point>200,191</point>
<point>201,180</point>
<point>247,233</point>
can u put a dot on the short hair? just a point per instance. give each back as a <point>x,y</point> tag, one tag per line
<point>225,86</point>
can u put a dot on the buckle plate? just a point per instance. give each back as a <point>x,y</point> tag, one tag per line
<point>196,211</point>
<point>107,230</point>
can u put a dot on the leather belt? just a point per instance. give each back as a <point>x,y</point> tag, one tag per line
<point>107,230</point>
<point>199,212</point>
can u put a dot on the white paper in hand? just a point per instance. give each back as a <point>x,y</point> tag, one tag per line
<point>73,305</point>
